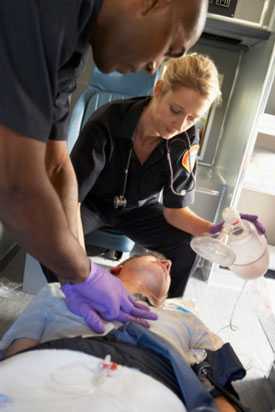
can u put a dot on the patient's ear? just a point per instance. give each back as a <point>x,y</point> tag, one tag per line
<point>116,270</point>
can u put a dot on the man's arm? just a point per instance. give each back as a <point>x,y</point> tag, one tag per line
<point>32,210</point>
<point>62,176</point>
<point>20,345</point>
<point>186,220</point>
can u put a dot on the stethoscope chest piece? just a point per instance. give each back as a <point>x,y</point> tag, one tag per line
<point>120,202</point>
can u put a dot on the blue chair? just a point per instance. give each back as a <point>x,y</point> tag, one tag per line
<point>102,89</point>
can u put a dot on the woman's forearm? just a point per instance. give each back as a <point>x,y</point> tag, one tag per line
<point>186,220</point>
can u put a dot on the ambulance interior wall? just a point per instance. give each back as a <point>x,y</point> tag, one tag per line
<point>262,204</point>
<point>227,58</point>
<point>248,102</point>
<point>255,13</point>
<point>258,193</point>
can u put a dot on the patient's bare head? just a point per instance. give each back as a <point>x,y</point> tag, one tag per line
<point>148,275</point>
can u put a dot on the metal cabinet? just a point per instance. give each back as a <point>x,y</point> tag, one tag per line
<point>244,54</point>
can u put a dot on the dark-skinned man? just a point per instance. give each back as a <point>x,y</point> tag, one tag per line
<point>42,46</point>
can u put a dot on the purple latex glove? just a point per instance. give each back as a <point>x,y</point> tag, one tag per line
<point>103,296</point>
<point>250,218</point>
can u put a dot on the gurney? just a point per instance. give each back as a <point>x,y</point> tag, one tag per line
<point>52,374</point>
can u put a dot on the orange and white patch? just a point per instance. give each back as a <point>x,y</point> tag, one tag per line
<point>189,158</point>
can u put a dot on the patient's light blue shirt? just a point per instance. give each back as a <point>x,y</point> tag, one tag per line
<point>48,318</point>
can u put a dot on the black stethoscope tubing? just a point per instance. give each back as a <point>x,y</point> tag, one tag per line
<point>168,154</point>
<point>183,192</point>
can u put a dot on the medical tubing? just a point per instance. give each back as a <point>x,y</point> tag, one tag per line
<point>231,326</point>
<point>172,172</point>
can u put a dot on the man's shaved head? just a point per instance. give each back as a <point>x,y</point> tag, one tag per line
<point>194,17</point>
<point>139,34</point>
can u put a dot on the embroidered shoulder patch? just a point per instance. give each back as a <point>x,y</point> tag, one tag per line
<point>189,158</point>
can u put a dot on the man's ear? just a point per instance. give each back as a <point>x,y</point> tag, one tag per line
<point>149,6</point>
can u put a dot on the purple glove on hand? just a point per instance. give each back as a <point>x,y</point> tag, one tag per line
<point>250,218</point>
<point>102,295</point>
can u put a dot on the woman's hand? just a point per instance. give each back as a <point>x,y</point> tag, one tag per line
<point>250,218</point>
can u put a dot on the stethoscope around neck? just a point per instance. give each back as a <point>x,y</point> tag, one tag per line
<point>120,201</point>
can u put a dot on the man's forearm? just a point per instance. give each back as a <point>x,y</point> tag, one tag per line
<point>35,216</point>
<point>30,206</point>
<point>20,345</point>
<point>65,184</point>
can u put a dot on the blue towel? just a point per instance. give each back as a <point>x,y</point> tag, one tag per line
<point>193,393</point>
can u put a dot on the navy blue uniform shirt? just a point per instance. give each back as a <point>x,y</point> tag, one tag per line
<point>100,157</point>
<point>42,43</point>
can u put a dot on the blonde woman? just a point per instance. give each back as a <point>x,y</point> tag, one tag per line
<point>132,151</point>
<point>135,162</point>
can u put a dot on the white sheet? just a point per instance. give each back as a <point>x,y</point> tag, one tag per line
<point>67,381</point>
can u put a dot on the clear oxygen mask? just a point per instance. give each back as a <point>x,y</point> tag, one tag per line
<point>238,246</point>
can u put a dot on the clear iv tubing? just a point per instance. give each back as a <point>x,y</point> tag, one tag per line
<point>230,325</point>
<point>96,378</point>
<point>95,383</point>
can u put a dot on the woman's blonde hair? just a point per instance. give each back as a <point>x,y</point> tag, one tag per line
<point>194,71</point>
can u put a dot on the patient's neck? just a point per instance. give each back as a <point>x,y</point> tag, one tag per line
<point>129,285</point>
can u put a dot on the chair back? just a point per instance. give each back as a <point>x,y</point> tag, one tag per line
<point>104,88</point>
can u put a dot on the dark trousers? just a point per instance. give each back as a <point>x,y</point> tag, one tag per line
<point>147,226</point>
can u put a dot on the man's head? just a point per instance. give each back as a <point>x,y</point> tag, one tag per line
<point>138,34</point>
<point>148,275</point>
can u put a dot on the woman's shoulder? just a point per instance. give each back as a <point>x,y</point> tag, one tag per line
<point>113,112</point>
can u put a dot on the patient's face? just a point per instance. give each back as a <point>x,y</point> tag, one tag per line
<point>147,275</point>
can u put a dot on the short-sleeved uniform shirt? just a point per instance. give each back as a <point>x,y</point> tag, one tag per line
<point>42,45</point>
<point>101,153</point>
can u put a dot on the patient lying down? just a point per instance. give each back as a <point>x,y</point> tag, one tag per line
<point>47,324</point>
